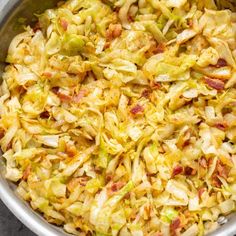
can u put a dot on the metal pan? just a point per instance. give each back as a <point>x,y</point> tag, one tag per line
<point>10,12</point>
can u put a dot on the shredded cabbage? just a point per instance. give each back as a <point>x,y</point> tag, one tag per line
<point>118,117</point>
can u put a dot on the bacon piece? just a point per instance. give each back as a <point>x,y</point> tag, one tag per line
<point>127,196</point>
<point>21,90</point>
<point>36,27</point>
<point>137,109</point>
<point>215,181</point>
<point>177,170</point>
<point>190,171</point>
<point>71,150</point>
<point>74,182</point>
<point>2,132</point>
<point>107,45</point>
<point>174,225</point>
<point>117,9</point>
<point>201,191</point>
<point>82,93</point>
<point>45,115</point>
<point>117,186</point>
<point>210,161</point>
<point>55,90</point>
<point>109,177</point>
<point>221,63</point>
<point>160,48</point>
<point>117,30</point>
<point>203,162</point>
<point>222,170</point>
<point>47,74</point>
<point>155,85</point>
<point>130,18</point>
<point>64,97</point>
<point>26,173</point>
<point>221,125</point>
<point>64,24</point>
<point>9,146</point>
<point>215,83</point>
<point>155,49</point>
<point>114,31</point>
<point>146,93</point>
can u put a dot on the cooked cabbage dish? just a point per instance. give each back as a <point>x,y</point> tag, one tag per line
<point>119,117</point>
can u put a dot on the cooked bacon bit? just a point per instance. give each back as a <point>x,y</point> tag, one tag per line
<point>201,191</point>
<point>221,125</point>
<point>222,170</point>
<point>130,18</point>
<point>114,187</point>
<point>117,186</point>
<point>189,171</point>
<point>215,83</point>
<point>21,90</point>
<point>215,181</point>
<point>9,146</point>
<point>146,93</point>
<point>107,45</point>
<point>64,97</point>
<point>160,48</point>
<point>71,150</point>
<point>114,31</point>
<point>117,30</point>
<point>76,182</point>
<point>155,85</point>
<point>98,170</point>
<point>221,63</point>
<point>1,133</point>
<point>82,93</point>
<point>36,27</point>
<point>174,225</point>
<point>177,170</point>
<point>127,196</point>
<point>47,74</point>
<point>155,49</point>
<point>151,175</point>
<point>186,143</point>
<point>109,177</point>
<point>64,24</point>
<point>203,162</point>
<point>137,109</point>
<point>55,90</point>
<point>26,173</point>
<point>45,115</point>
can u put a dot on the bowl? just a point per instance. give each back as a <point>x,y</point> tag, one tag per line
<point>12,14</point>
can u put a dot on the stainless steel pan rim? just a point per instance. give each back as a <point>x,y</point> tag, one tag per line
<point>34,221</point>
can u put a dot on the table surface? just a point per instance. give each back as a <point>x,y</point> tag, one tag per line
<point>10,225</point>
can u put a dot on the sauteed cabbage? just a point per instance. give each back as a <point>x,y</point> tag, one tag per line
<point>119,117</point>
